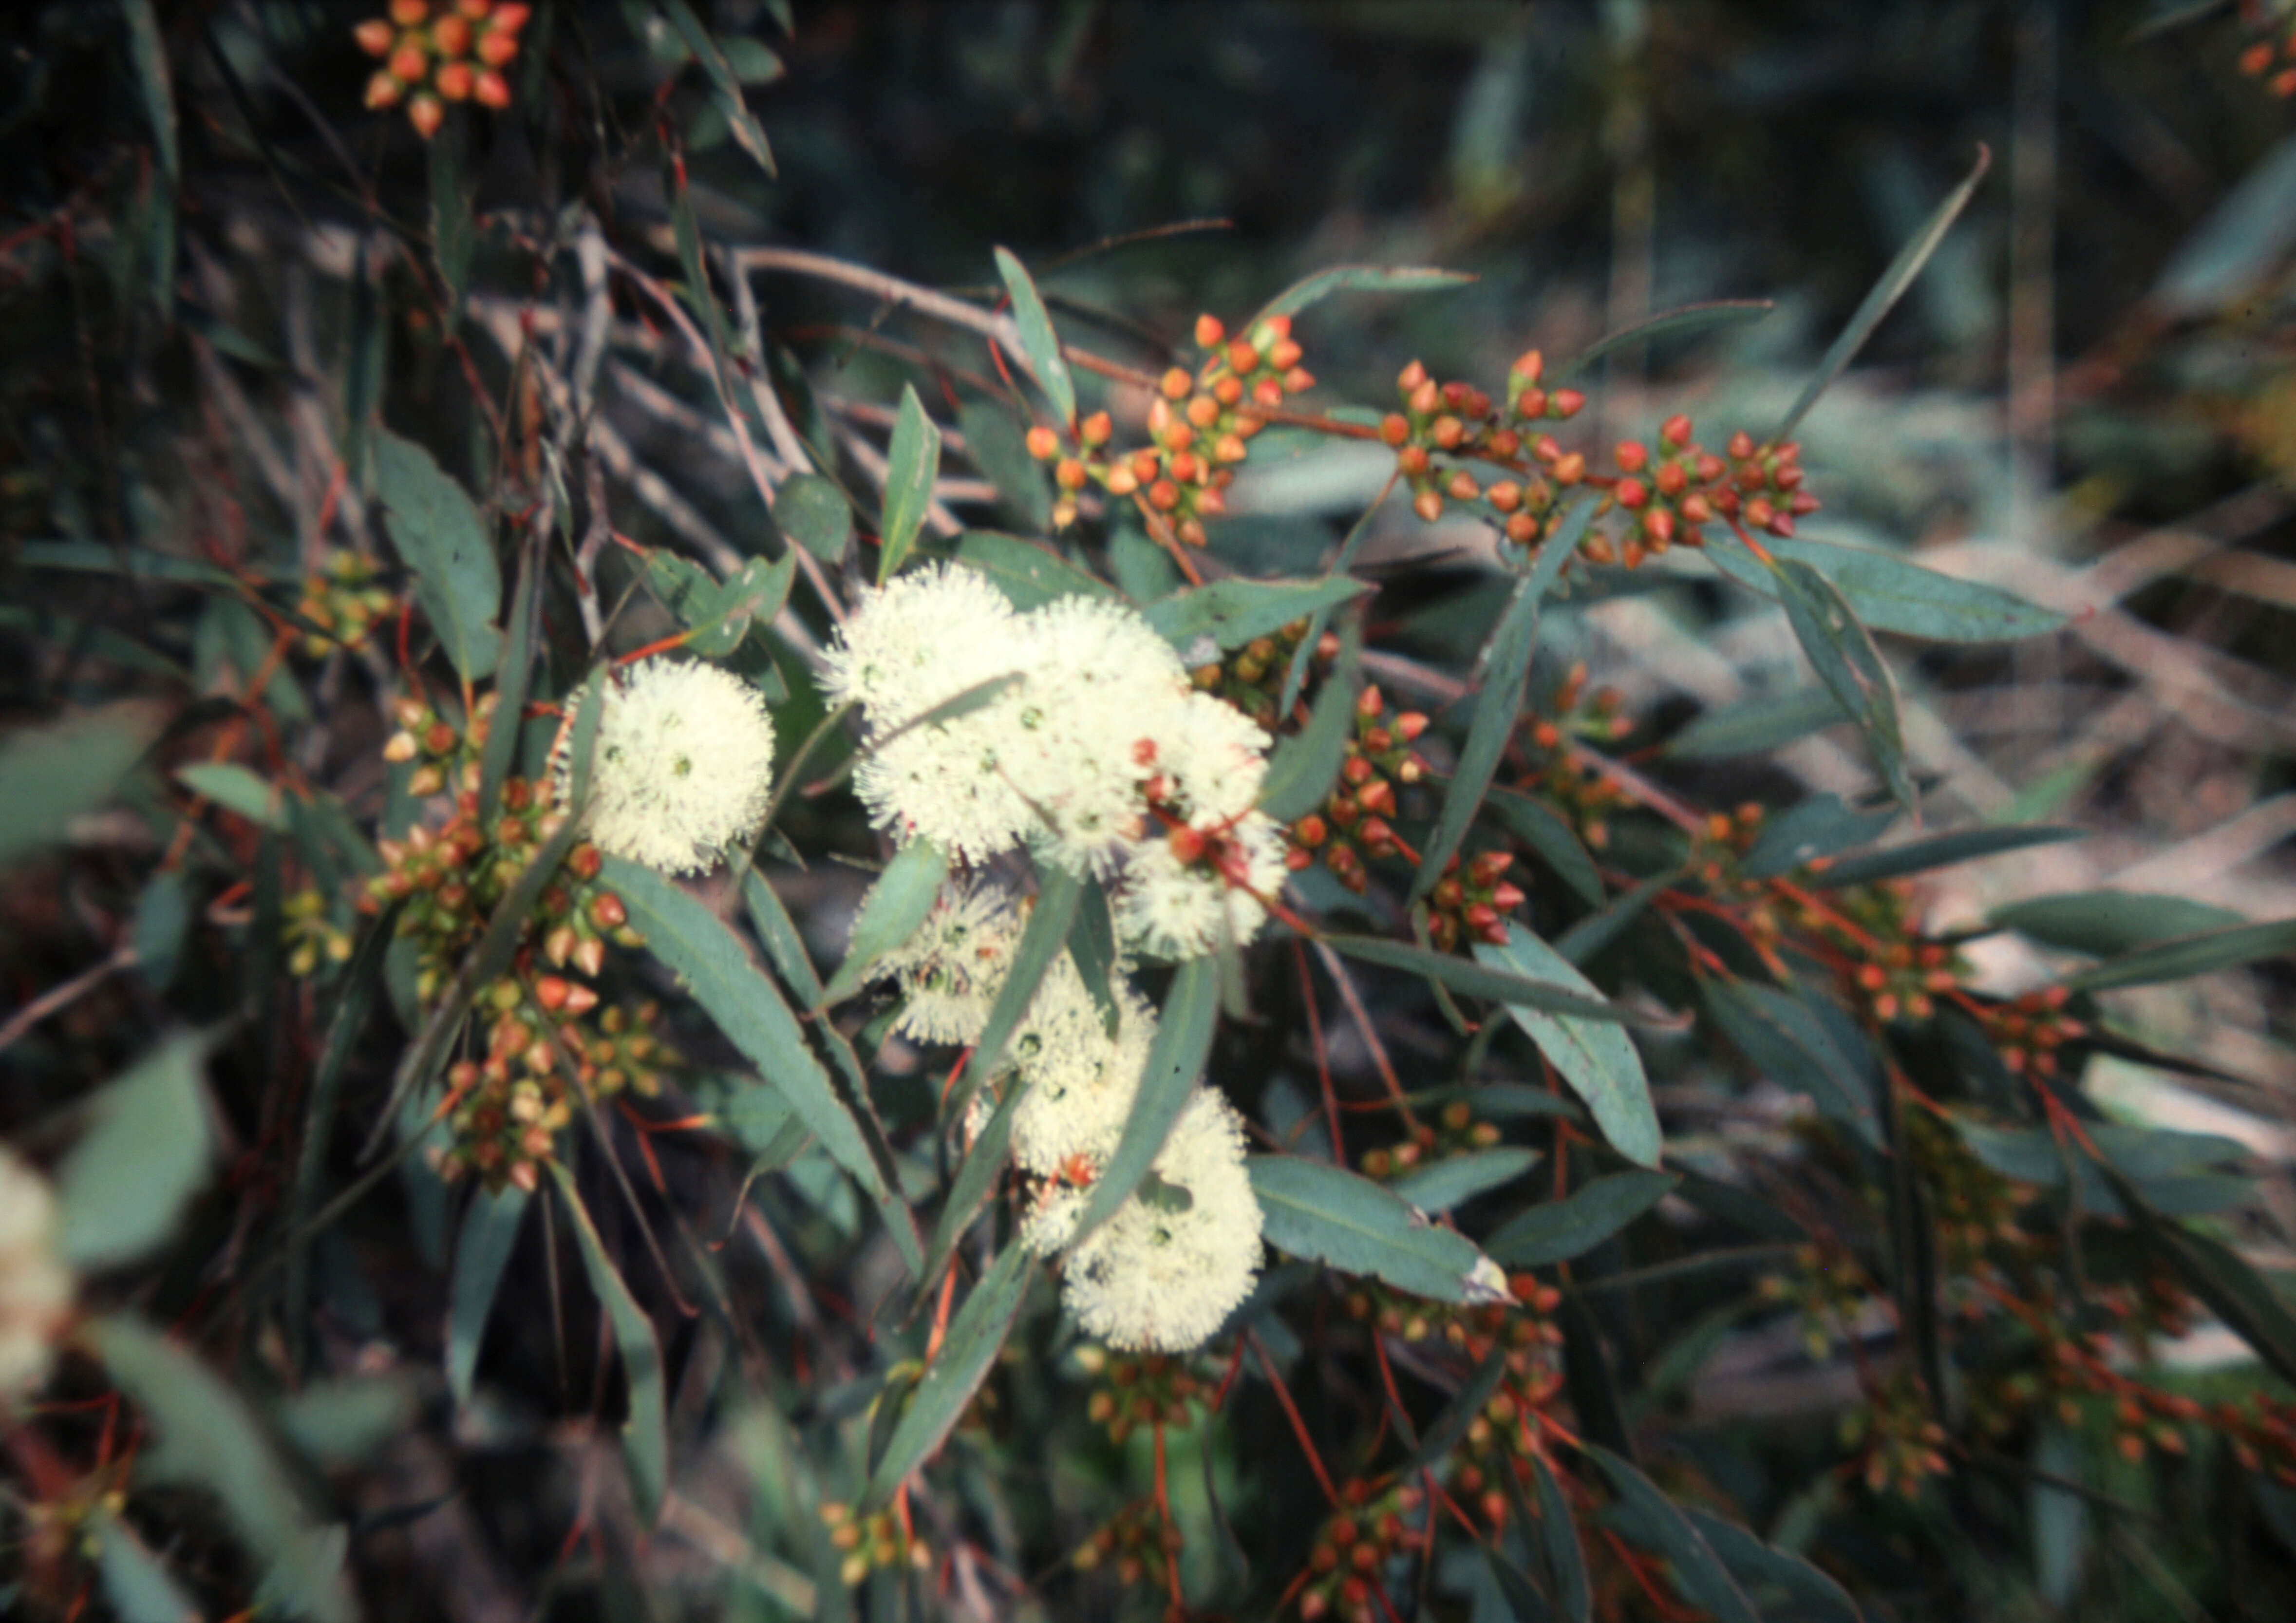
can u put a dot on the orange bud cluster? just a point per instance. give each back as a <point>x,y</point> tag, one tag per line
<point>2029,1030</point>
<point>868,1543</point>
<point>1356,820</point>
<point>1346,1567</point>
<point>1581,795</point>
<point>1443,426</point>
<point>1146,1389</point>
<point>1252,678</point>
<point>1135,1544</point>
<point>1472,903</point>
<point>2272,57</point>
<point>1198,429</point>
<point>434,52</point>
<point>342,604</point>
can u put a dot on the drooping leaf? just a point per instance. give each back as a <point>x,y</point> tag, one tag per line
<point>511,682</point>
<point>1094,949</point>
<point>645,1430</point>
<point>50,774</point>
<point>2201,954</point>
<point>1305,765</point>
<point>815,514</point>
<point>2245,237</point>
<point>1450,1427</point>
<point>1167,1079</point>
<point>912,464</point>
<point>1755,726</point>
<point>439,534</point>
<point>206,1436</point>
<point>725,85</point>
<point>1506,669</point>
<point>1042,939</point>
<point>1038,342</point>
<point>341,1421</point>
<point>1705,1581</point>
<point>1937,851</point>
<point>1591,935</point>
<point>1755,1564</point>
<point>453,231</point>
<point>975,1181</point>
<point>1234,610</point>
<point>897,903</point>
<point>483,1253</point>
<point>710,959</point>
<point>1885,293</point>
<point>1597,1060</point>
<point>2059,1520</point>
<point>2178,1173</point>
<point>1457,1179</point>
<point>783,945</point>
<point>975,1336</point>
<point>1027,571</point>
<point>146,1151</point>
<point>1843,654</point>
<point>235,789</point>
<point>1688,321</point>
<point>1560,1230</point>
<point>2212,1271</point>
<point>1537,824</point>
<point>1891,593</point>
<point>137,1584</point>
<point>1811,830</point>
<point>2107,924</point>
<point>1558,1539</point>
<point>1478,978</point>
<point>1328,1215</point>
<point>1792,1047</point>
<point>163,918</point>
<point>1358,279</point>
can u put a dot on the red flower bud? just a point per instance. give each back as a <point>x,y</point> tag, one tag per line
<point>1208,332</point>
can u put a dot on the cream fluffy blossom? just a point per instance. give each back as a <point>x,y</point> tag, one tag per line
<point>948,971</point>
<point>1164,1274</point>
<point>36,1290</point>
<point>1092,754</point>
<point>682,768</point>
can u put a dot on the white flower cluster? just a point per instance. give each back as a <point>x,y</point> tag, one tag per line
<point>1166,1270</point>
<point>1095,753</point>
<point>682,768</point>
<point>36,1290</point>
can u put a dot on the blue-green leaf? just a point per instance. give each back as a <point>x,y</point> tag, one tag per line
<point>1457,1179</point>
<point>815,514</point>
<point>1234,610</point>
<point>1358,279</point>
<point>1167,1077</point>
<point>1560,1230</point>
<point>1027,572</point>
<point>439,534</point>
<point>1846,661</point>
<point>1893,594</point>
<point>912,464</point>
<point>146,1151</point>
<point>645,1432</point>
<point>975,1336</point>
<point>725,84</point>
<point>50,774</point>
<point>1330,1214</point>
<point>482,1251</point>
<point>1038,342</point>
<point>1598,1061</point>
<point>1790,1045</point>
<point>896,904</point>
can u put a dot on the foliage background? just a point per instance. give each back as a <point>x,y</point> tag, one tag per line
<point>2087,398</point>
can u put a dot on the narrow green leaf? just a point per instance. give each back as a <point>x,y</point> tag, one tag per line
<point>1357,279</point>
<point>2107,924</point>
<point>1812,830</point>
<point>1457,1179</point>
<point>1093,948</point>
<point>453,232</point>
<point>482,1253</point>
<point>2212,1271</point>
<point>699,296</point>
<point>1589,936</point>
<point>969,1191</point>
<point>695,943</point>
<point>2178,1173</point>
<point>149,49</point>
<point>1559,1230</point>
<point>235,789</point>
<point>1688,321</point>
<point>1843,654</point>
<point>2244,239</point>
<point>725,85</point>
<point>1476,978</point>
<point>912,464</point>
<point>1328,1215</point>
<point>1524,1601</point>
<point>146,1151</point>
<point>1885,293</point>
<point>975,1336</point>
<point>1705,1582</point>
<point>1295,674</point>
<point>1893,594</point>
<point>1304,766</point>
<point>163,918</point>
<point>512,680</point>
<point>343,1421</point>
<point>2203,955</point>
<point>1788,1043</point>
<point>1028,572</point>
<point>1937,851</point>
<point>1234,610</point>
<point>1598,1061</point>
<point>135,1582</point>
<point>1753,1563</point>
<point>1450,1427</point>
<point>1755,726</point>
<point>1042,940</point>
<point>645,1430</point>
<point>1506,669</point>
<point>815,514</point>
<point>441,538</point>
<point>1167,1077</point>
<point>1537,824</point>
<point>205,1434</point>
<point>1038,342</point>
<point>783,945</point>
<point>896,904</point>
<point>1558,1539</point>
<point>135,562</point>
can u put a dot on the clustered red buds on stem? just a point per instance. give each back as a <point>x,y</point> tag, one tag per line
<point>343,604</point>
<point>1356,821</point>
<point>2271,58</point>
<point>1350,1556</point>
<point>871,1542</point>
<point>1197,427</point>
<point>434,52</point>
